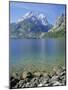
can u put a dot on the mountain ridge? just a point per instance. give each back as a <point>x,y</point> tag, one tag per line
<point>36,25</point>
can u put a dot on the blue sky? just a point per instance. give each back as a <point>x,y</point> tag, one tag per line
<point>52,11</point>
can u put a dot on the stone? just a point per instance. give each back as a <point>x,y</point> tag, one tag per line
<point>64,69</point>
<point>44,80</point>
<point>46,84</point>
<point>34,79</point>
<point>16,86</point>
<point>63,73</point>
<point>57,70</point>
<point>45,74</point>
<point>54,78</point>
<point>35,84</point>
<point>27,84</point>
<point>14,75</point>
<point>21,82</point>
<point>26,74</point>
<point>56,83</point>
<point>38,74</point>
<point>40,85</point>
<point>13,83</point>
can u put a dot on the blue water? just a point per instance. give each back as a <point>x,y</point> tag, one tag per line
<point>37,51</point>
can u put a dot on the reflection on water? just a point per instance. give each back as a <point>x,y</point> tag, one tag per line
<point>35,51</point>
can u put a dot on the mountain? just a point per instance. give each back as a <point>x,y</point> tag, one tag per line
<point>31,25</point>
<point>36,25</point>
<point>58,30</point>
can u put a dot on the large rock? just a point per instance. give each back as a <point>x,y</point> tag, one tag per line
<point>26,74</point>
<point>38,74</point>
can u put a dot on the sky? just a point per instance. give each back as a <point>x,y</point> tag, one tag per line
<point>51,11</point>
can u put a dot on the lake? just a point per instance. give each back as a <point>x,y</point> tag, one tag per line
<point>36,53</point>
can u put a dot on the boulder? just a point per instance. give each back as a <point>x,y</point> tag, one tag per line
<point>38,74</point>
<point>26,74</point>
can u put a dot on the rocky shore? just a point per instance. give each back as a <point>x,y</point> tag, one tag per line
<point>27,79</point>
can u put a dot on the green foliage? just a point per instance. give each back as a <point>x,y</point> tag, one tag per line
<point>57,34</point>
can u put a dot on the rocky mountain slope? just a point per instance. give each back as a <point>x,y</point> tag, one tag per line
<point>58,30</point>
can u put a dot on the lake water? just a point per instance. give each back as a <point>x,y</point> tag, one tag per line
<point>36,52</point>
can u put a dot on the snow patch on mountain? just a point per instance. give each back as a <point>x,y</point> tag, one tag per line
<point>34,16</point>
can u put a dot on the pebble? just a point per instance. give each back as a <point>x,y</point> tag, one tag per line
<point>40,85</point>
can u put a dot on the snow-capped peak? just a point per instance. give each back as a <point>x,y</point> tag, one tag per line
<point>35,16</point>
<point>27,15</point>
<point>41,16</point>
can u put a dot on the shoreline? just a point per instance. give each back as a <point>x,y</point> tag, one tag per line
<point>27,79</point>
